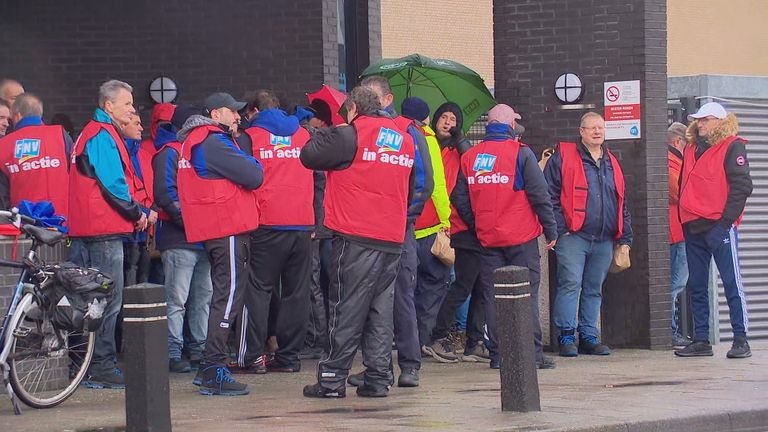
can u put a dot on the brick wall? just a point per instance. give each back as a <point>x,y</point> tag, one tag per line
<point>459,30</point>
<point>600,40</point>
<point>64,50</point>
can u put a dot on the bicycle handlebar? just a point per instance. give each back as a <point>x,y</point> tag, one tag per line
<point>17,218</point>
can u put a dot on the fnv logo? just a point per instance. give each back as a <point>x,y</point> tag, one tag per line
<point>484,163</point>
<point>279,141</point>
<point>389,140</point>
<point>26,149</point>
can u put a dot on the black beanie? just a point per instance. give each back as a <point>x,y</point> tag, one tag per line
<point>415,108</point>
<point>452,107</point>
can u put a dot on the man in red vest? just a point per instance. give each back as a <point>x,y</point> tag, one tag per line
<point>103,209</point>
<point>714,189</point>
<point>502,196</point>
<point>678,262</point>
<point>5,117</point>
<point>34,158</point>
<point>586,186</point>
<point>370,179</point>
<point>281,248</point>
<point>216,183</point>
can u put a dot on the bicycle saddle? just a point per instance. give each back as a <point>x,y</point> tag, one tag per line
<point>43,235</point>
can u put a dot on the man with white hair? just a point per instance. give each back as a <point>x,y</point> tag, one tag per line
<point>104,210</point>
<point>713,192</point>
<point>10,90</point>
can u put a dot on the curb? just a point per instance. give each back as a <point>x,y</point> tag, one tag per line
<point>739,421</point>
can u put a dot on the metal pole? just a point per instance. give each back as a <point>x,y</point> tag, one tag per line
<point>145,329</point>
<point>519,382</point>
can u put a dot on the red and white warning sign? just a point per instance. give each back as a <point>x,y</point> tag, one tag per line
<point>622,109</point>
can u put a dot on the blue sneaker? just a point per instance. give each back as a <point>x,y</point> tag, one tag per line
<point>217,381</point>
<point>568,344</point>
<point>114,380</point>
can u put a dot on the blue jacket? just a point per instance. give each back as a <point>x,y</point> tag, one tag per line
<point>601,221</point>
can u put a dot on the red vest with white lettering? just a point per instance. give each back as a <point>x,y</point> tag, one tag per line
<point>503,216</point>
<point>704,189</point>
<point>212,208</point>
<point>89,214</point>
<point>370,198</point>
<point>675,165</point>
<point>34,160</point>
<point>174,146</point>
<point>285,198</point>
<point>451,161</point>
<point>573,194</point>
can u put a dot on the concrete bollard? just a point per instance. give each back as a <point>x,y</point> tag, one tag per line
<point>145,335</point>
<point>519,382</point>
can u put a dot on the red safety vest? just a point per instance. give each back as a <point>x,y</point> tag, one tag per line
<point>175,146</point>
<point>451,161</point>
<point>89,214</point>
<point>675,226</point>
<point>503,216</point>
<point>370,198</point>
<point>704,189</point>
<point>212,208</point>
<point>146,153</point>
<point>287,194</point>
<point>34,160</point>
<point>428,217</point>
<point>573,194</point>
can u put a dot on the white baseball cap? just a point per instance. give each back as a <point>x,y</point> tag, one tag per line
<point>713,109</point>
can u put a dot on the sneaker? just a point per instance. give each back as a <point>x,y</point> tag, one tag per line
<point>442,351</point>
<point>495,364</point>
<point>592,346</point>
<point>679,341</point>
<point>258,366</point>
<point>408,378</point>
<point>276,366</point>
<point>740,348</point>
<point>198,379</point>
<point>310,353</point>
<point>113,380</point>
<point>477,353</point>
<point>545,363</point>
<point>177,365</point>
<point>568,344</point>
<point>372,391</point>
<point>695,349</point>
<point>318,391</point>
<point>218,381</point>
<point>356,380</point>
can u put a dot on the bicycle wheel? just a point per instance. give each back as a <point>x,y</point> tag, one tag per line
<point>46,364</point>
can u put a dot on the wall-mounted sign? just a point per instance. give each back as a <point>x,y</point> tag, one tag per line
<point>569,88</point>
<point>622,109</point>
<point>163,89</point>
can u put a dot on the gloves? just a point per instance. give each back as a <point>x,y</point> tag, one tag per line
<point>715,237</point>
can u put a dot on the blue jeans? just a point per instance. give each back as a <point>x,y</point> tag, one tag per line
<point>106,256</point>
<point>582,266</point>
<point>187,282</point>
<point>679,277</point>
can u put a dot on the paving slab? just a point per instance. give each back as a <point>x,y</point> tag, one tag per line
<point>631,390</point>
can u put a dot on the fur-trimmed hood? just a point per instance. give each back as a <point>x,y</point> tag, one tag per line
<point>729,127</point>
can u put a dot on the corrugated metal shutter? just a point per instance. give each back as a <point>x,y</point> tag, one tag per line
<point>753,231</point>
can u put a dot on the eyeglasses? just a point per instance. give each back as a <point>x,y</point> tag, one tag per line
<point>593,128</point>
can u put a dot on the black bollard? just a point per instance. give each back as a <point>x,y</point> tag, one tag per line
<point>145,335</point>
<point>519,382</point>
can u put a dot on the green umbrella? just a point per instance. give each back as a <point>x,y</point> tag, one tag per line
<point>436,81</point>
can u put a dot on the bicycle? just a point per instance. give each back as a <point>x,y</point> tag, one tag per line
<point>42,361</point>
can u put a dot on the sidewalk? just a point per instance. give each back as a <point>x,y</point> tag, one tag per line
<point>632,390</point>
